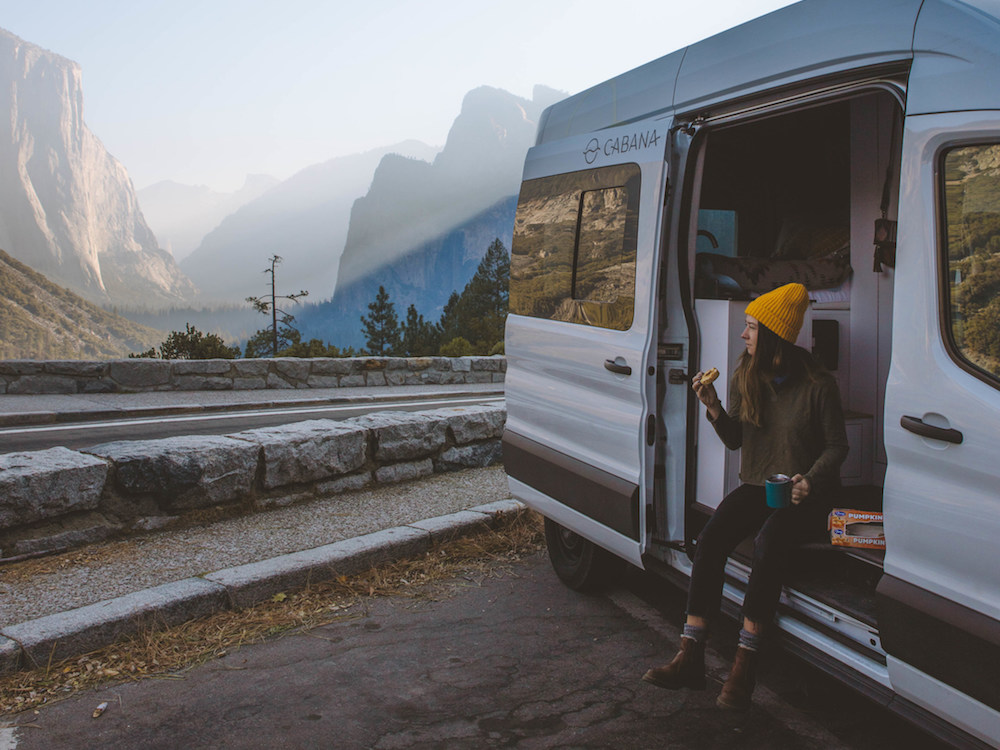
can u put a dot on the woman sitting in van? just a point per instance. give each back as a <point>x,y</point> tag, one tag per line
<point>786,416</point>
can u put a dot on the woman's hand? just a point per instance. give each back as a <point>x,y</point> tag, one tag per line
<point>707,395</point>
<point>800,489</point>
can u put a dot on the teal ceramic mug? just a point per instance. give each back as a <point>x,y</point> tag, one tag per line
<point>778,488</point>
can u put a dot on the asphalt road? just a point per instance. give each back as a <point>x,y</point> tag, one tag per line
<point>86,434</point>
<point>513,659</point>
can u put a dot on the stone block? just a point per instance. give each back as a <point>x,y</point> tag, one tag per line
<point>19,367</point>
<point>309,451</point>
<point>291,368</point>
<point>376,378</point>
<point>38,485</point>
<point>29,384</point>
<point>369,364</point>
<point>76,368</point>
<point>202,383</point>
<point>434,377</point>
<point>469,456</point>
<point>323,381</point>
<point>331,366</point>
<point>398,377</point>
<point>344,484</point>
<point>140,374</point>
<point>461,364</point>
<point>352,381</point>
<point>97,386</point>
<point>183,472</point>
<point>257,582</point>
<point>488,364</point>
<point>454,525</point>
<point>249,384</point>
<point>10,655</point>
<point>201,367</point>
<point>479,377</point>
<point>498,377</point>
<point>401,435</point>
<point>470,424</point>
<point>420,363</point>
<point>251,368</point>
<point>50,540</point>
<point>403,472</point>
<point>80,631</point>
<point>277,383</point>
<point>284,500</point>
<point>397,363</point>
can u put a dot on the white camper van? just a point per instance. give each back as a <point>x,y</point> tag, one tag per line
<point>850,146</point>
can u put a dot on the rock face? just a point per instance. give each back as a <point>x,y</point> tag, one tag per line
<point>67,207</point>
<point>422,228</point>
<point>304,220</point>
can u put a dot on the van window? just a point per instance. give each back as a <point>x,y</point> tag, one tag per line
<point>972,238</point>
<point>573,253</point>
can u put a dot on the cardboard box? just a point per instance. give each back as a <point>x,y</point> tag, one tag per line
<point>856,528</point>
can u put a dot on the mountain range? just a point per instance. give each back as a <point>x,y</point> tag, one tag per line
<point>181,215</point>
<point>410,217</point>
<point>303,219</point>
<point>422,228</point>
<point>67,207</point>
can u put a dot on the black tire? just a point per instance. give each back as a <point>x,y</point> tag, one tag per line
<point>579,563</point>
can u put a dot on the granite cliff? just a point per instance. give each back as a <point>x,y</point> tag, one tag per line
<point>67,207</point>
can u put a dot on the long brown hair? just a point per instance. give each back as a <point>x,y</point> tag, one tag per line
<point>773,356</point>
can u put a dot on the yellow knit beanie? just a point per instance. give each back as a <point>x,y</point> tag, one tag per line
<point>782,310</point>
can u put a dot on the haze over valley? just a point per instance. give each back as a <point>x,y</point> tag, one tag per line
<point>411,217</point>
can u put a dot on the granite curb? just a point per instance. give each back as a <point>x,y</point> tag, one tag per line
<point>45,640</point>
<point>30,418</point>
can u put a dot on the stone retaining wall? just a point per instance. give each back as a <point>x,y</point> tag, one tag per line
<point>59,498</point>
<point>140,375</point>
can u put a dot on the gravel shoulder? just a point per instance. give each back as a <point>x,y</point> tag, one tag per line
<point>48,585</point>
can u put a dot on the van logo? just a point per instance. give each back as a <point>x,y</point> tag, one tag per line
<point>623,144</point>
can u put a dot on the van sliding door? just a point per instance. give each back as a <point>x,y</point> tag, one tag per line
<point>580,378</point>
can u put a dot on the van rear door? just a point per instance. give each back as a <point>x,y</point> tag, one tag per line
<point>580,377</point>
<point>939,599</point>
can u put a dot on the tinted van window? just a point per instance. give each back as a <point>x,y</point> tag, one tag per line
<point>573,254</point>
<point>972,238</point>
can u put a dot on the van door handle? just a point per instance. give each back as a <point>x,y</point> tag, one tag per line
<point>618,365</point>
<point>918,426</point>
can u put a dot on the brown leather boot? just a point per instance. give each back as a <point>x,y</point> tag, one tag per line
<point>686,670</point>
<point>739,687</point>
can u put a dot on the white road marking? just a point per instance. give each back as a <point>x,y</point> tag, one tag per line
<point>206,417</point>
<point>718,669</point>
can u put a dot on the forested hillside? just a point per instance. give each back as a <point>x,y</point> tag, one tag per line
<point>40,320</point>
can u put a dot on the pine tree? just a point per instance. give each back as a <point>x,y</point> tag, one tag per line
<point>420,337</point>
<point>381,326</point>
<point>480,312</point>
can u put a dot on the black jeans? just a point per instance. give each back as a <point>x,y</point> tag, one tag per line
<point>743,512</point>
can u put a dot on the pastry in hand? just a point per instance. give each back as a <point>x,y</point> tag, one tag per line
<point>709,377</point>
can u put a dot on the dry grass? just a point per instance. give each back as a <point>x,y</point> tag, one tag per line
<point>166,653</point>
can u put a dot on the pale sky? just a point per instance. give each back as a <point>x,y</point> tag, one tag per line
<point>206,91</point>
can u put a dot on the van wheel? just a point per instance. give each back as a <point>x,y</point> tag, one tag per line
<point>578,562</point>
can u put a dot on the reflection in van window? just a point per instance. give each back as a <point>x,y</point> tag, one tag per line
<point>972,219</point>
<point>573,254</point>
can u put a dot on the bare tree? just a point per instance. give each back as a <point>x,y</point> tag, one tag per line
<point>268,303</point>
